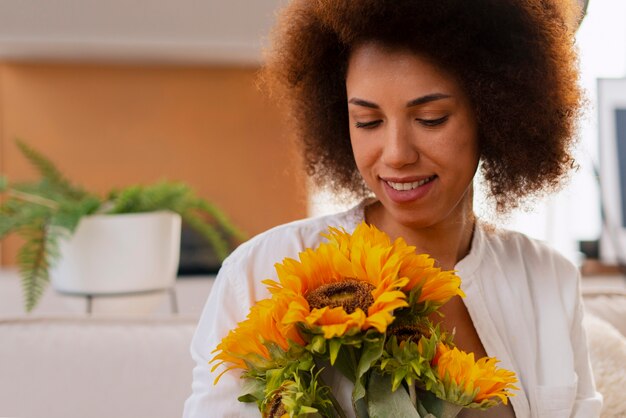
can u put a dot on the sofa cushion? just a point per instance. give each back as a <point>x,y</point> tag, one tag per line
<point>608,303</point>
<point>607,351</point>
<point>95,367</point>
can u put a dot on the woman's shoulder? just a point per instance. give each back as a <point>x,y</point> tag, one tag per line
<point>531,270</point>
<point>536,256</point>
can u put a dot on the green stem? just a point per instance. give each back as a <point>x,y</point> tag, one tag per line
<point>413,395</point>
<point>337,407</point>
<point>38,200</point>
<point>353,359</point>
<point>333,400</point>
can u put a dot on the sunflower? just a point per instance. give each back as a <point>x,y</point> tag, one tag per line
<point>408,352</point>
<point>466,382</point>
<point>250,344</point>
<point>344,286</point>
<point>299,395</point>
<point>432,286</point>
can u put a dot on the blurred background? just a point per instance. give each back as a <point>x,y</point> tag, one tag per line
<point>118,93</point>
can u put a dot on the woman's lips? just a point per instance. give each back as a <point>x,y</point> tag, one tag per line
<point>407,190</point>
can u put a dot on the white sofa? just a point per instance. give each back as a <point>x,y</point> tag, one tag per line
<point>605,323</point>
<point>81,367</point>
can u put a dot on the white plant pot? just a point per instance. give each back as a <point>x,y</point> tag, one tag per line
<point>119,254</point>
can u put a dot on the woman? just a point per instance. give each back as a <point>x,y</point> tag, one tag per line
<point>405,99</point>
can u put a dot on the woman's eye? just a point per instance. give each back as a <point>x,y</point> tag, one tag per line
<point>367,125</point>
<point>433,122</point>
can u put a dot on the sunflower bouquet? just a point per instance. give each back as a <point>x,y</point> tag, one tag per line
<point>360,305</point>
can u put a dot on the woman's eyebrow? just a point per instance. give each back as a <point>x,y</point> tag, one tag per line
<point>427,98</point>
<point>364,103</point>
<point>415,102</point>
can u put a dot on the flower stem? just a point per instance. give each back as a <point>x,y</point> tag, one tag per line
<point>413,395</point>
<point>333,400</point>
<point>353,359</point>
<point>337,407</point>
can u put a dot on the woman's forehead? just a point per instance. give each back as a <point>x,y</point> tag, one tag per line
<point>372,64</point>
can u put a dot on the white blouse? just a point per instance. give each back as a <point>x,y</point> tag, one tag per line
<point>523,298</point>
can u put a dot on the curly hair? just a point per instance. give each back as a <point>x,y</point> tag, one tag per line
<point>515,59</point>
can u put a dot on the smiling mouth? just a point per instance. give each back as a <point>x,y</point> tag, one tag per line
<point>401,187</point>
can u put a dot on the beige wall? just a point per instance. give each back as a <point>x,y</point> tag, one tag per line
<point>110,126</point>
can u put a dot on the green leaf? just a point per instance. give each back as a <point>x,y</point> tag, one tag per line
<point>333,347</point>
<point>252,390</point>
<point>33,264</point>
<point>303,394</point>
<point>360,408</point>
<point>4,183</point>
<point>318,345</point>
<point>48,170</point>
<point>209,232</point>
<point>423,412</point>
<point>371,352</point>
<point>437,407</point>
<point>346,363</point>
<point>15,216</point>
<point>398,376</point>
<point>180,198</point>
<point>220,218</point>
<point>382,402</point>
<point>275,378</point>
<point>69,214</point>
<point>307,410</point>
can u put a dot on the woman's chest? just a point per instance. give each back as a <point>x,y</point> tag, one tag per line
<point>457,321</point>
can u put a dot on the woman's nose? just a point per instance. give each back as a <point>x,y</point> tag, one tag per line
<point>399,149</point>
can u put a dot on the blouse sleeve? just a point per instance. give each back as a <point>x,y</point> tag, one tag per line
<point>228,303</point>
<point>588,401</point>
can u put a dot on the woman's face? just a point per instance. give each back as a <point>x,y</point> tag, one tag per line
<point>413,135</point>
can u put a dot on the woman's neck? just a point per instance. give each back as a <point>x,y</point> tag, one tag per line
<point>448,241</point>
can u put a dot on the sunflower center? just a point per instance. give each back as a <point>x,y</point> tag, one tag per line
<point>411,332</point>
<point>348,294</point>
<point>275,407</point>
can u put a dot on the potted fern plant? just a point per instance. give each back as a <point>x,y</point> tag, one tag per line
<point>58,221</point>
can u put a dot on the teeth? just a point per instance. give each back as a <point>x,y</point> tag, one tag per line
<point>408,186</point>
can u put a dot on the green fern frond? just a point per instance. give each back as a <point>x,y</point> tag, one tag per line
<point>220,219</point>
<point>167,195</point>
<point>69,214</point>
<point>54,234</point>
<point>209,232</point>
<point>42,188</point>
<point>126,200</point>
<point>160,196</point>
<point>33,265</point>
<point>48,170</point>
<point>180,198</point>
<point>15,216</point>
